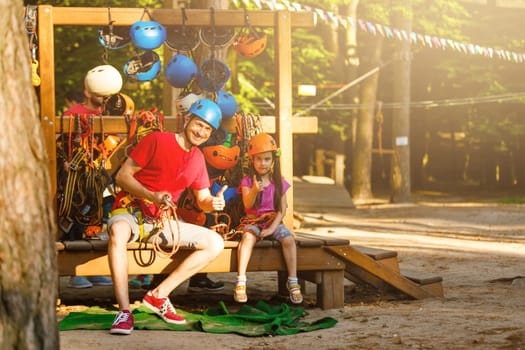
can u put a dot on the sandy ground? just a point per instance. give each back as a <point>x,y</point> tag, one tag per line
<point>477,246</point>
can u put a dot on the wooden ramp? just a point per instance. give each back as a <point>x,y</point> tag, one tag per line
<point>380,268</point>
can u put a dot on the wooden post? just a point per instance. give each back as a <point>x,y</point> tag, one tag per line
<point>283,106</point>
<point>339,172</point>
<point>46,42</point>
<point>319,162</point>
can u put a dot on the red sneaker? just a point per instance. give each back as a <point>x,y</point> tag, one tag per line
<point>123,323</point>
<point>163,308</point>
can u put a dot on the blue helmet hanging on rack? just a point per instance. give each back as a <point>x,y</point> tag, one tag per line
<point>147,35</point>
<point>213,75</point>
<point>180,70</point>
<point>226,103</point>
<point>144,67</point>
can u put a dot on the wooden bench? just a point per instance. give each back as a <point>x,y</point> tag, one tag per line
<point>324,261</point>
<point>314,263</point>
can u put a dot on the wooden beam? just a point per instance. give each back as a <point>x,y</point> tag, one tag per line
<point>117,124</point>
<point>98,16</point>
<point>300,125</point>
<point>92,263</point>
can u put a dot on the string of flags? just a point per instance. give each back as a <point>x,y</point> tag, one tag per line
<point>387,31</point>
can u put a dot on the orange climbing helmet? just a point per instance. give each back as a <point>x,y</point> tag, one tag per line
<point>250,45</point>
<point>261,143</point>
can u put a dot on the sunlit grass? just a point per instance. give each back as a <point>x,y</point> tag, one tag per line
<point>512,200</point>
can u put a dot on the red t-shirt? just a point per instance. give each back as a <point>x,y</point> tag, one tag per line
<point>168,167</point>
<point>79,108</point>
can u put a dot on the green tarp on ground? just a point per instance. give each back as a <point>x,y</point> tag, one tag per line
<point>261,319</point>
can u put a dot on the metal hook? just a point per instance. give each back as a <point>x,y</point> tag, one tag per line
<point>145,12</point>
<point>184,16</point>
<point>212,22</point>
<point>110,21</point>
<point>246,18</point>
<point>248,25</point>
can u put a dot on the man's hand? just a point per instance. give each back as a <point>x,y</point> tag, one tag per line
<point>163,200</point>
<point>218,201</point>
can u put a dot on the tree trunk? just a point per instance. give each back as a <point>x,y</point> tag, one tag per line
<point>400,172</point>
<point>28,272</point>
<point>362,155</point>
<point>350,64</point>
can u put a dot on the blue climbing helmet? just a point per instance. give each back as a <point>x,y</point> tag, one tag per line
<point>208,111</point>
<point>226,103</point>
<point>213,75</point>
<point>143,67</point>
<point>147,35</point>
<point>180,70</point>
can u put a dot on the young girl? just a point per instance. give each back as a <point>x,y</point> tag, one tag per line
<point>264,199</point>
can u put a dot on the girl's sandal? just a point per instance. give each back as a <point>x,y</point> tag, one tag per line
<point>295,293</point>
<point>239,294</point>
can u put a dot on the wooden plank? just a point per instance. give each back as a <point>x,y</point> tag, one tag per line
<point>393,278</point>
<point>82,262</point>
<point>88,16</point>
<point>308,242</point>
<point>385,257</point>
<point>376,253</point>
<point>359,276</point>
<point>328,241</point>
<point>300,125</point>
<point>432,284</point>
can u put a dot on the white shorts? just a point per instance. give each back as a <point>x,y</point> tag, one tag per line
<point>190,234</point>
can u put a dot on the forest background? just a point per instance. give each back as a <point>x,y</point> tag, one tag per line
<point>465,109</point>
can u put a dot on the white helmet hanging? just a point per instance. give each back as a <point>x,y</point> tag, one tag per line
<point>183,103</point>
<point>104,80</point>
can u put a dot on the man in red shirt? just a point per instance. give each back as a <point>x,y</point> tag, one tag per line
<point>154,175</point>
<point>92,104</point>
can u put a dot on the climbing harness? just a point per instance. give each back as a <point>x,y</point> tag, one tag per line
<point>141,125</point>
<point>262,221</point>
<point>160,217</point>
<point>83,179</point>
